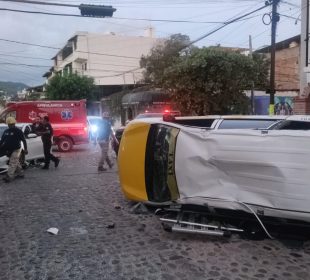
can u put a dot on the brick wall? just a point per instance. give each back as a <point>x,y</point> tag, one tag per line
<point>301,106</point>
<point>287,69</point>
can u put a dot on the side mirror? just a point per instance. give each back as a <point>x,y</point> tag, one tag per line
<point>32,135</point>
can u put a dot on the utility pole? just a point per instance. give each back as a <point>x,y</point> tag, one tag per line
<point>274,20</point>
<point>304,49</point>
<point>252,84</point>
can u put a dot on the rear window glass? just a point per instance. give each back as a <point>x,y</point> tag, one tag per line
<point>245,123</point>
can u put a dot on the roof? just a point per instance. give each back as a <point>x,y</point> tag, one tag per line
<point>280,45</point>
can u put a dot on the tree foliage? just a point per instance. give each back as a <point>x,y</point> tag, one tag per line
<point>162,56</point>
<point>70,86</point>
<point>205,80</point>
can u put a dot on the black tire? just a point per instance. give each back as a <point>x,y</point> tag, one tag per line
<point>65,144</point>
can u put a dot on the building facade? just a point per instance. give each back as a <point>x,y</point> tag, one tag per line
<point>287,79</point>
<point>112,60</point>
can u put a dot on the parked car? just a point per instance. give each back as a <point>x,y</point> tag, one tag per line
<point>34,143</point>
<point>259,175</point>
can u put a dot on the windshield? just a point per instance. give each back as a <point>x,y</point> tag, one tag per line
<point>160,156</point>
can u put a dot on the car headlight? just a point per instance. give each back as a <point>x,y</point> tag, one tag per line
<point>94,128</point>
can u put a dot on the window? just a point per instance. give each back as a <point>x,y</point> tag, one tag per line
<point>84,66</point>
<point>293,125</point>
<point>27,131</point>
<point>246,124</point>
<point>195,122</point>
<point>2,129</point>
<point>160,178</point>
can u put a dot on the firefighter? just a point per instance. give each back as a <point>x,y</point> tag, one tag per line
<point>46,132</point>
<point>11,143</point>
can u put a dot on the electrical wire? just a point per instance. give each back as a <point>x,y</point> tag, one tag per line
<point>120,18</point>
<point>49,47</point>
<point>224,25</point>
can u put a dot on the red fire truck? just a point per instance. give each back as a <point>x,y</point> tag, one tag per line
<point>68,119</point>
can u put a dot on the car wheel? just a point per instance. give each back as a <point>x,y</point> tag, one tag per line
<point>65,144</point>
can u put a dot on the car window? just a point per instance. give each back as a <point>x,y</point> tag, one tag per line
<point>195,122</point>
<point>2,129</point>
<point>246,123</point>
<point>292,125</point>
<point>27,131</point>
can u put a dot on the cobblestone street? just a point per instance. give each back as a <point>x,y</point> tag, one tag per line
<point>82,204</point>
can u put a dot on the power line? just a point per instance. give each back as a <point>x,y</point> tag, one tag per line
<point>41,3</point>
<point>49,47</point>
<point>23,64</point>
<point>224,25</point>
<point>29,44</point>
<point>63,67</point>
<point>118,18</point>
<point>41,13</point>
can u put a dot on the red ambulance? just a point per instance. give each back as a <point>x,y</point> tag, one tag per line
<point>68,119</point>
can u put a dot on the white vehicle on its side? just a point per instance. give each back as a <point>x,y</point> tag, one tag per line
<point>34,143</point>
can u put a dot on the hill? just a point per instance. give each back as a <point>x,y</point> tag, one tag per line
<point>11,88</point>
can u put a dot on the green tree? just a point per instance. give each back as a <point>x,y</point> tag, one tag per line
<point>162,56</point>
<point>71,86</point>
<point>204,80</point>
<point>211,81</point>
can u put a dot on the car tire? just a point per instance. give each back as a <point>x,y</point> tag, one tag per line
<point>64,144</point>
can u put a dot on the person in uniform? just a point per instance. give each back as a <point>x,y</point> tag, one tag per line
<point>46,132</point>
<point>11,143</point>
<point>103,139</point>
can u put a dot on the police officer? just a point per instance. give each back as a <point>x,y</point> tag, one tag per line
<point>46,132</point>
<point>103,139</point>
<point>11,142</point>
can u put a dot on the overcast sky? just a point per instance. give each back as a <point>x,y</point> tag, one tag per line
<point>54,31</point>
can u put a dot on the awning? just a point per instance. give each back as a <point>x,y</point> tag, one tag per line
<point>145,97</point>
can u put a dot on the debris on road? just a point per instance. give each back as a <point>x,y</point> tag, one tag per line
<point>139,208</point>
<point>117,206</point>
<point>53,230</point>
<point>110,225</point>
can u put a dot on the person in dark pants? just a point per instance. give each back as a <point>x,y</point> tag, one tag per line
<point>46,132</point>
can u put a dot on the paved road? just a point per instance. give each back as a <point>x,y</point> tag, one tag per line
<point>81,203</point>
